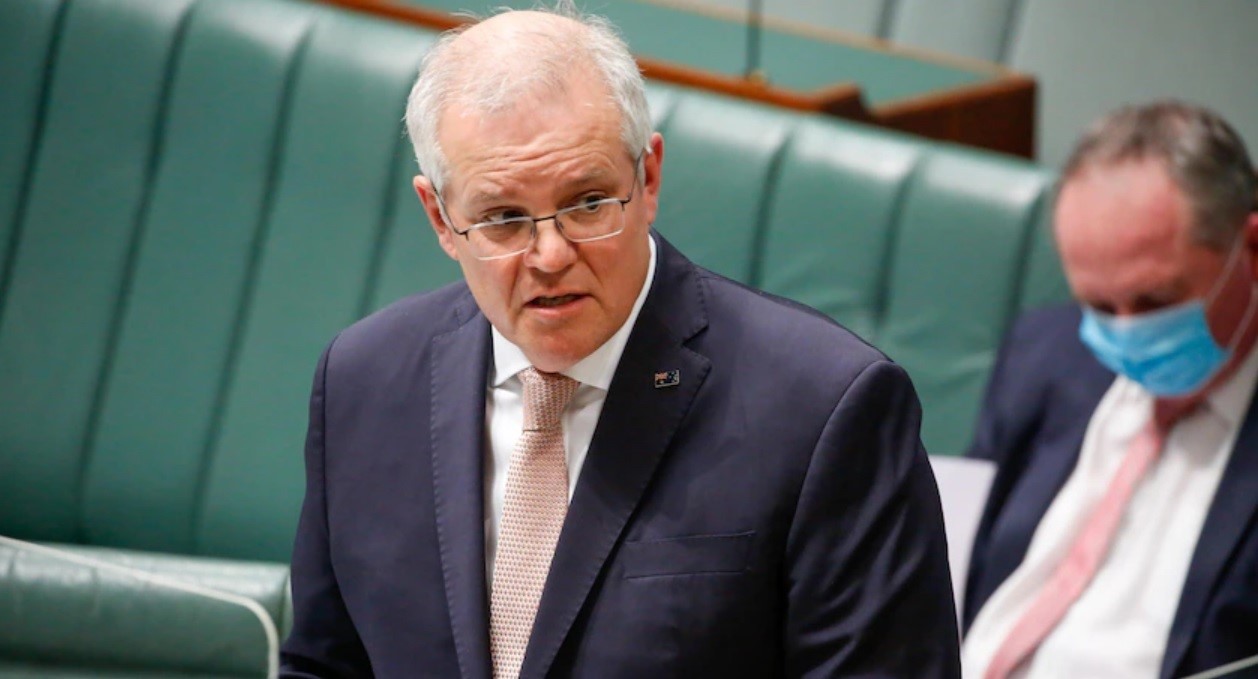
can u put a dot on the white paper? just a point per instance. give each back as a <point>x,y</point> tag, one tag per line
<point>963,487</point>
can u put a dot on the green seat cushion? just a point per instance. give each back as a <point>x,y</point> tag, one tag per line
<point>62,612</point>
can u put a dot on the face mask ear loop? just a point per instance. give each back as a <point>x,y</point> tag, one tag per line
<point>1244,324</point>
<point>1227,272</point>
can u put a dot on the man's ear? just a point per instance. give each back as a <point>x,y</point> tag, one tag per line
<point>652,166</point>
<point>432,207</point>
<point>1250,234</point>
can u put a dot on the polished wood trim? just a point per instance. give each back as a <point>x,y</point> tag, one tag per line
<point>998,115</point>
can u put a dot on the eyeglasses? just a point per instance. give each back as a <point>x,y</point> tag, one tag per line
<point>587,221</point>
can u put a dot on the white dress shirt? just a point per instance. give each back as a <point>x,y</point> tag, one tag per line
<point>504,410</point>
<point>1119,625</point>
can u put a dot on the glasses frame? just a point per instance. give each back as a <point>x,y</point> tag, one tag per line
<point>466,233</point>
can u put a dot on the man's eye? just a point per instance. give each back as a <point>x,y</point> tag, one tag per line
<point>590,203</point>
<point>502,215</point>
<point>500,232</point>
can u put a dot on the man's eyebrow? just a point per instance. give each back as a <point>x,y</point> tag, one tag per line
<point>484,194</point>
<point>477,197</point>
<point>592,175</point>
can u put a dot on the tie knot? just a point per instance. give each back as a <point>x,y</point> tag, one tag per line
<point>545,397</point>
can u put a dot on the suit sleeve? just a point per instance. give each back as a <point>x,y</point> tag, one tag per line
<point>868,588</point>
<point>323,641</point>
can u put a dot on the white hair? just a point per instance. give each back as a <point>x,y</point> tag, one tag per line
<point>492,75</point>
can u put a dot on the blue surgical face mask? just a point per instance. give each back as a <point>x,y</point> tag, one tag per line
<point>1170,352</point>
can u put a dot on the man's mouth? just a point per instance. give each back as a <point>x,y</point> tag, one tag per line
<point>548,302</point>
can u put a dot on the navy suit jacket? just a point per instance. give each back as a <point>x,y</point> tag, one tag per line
<point>773,514</point>
<point>1039,402</point>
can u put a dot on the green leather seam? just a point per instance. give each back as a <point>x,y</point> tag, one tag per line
<point>252,268</point>
<point>764,212</point>
<point>32,155</point>
<point>384,228</point>
<point>130,264</point>
<point>886,267</point>
<point>1029,226</point>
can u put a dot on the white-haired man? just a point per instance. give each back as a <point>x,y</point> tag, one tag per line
<point>592,458</point>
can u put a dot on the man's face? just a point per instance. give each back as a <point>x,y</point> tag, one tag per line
<point>558,301</point>
<point>1123,232</point>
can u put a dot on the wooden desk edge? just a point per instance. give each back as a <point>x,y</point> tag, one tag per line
<point>998,115</point>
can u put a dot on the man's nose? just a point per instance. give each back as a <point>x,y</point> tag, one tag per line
<point>551,251</point>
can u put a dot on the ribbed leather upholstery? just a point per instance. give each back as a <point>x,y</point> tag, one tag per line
<point>187,221</point>
<point>719,164</point>
<point>235,195</point>
<point>920,249</point>
<point>62,614</point>
<point>195,245</point>
<point>86,187</point>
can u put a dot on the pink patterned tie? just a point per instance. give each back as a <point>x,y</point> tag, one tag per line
<point>1090,547</point>
<point>532,516</point>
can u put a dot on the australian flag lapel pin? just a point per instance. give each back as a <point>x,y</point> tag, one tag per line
<point>667,378</point>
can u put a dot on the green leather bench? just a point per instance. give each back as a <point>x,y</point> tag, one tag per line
<point>196,194</point>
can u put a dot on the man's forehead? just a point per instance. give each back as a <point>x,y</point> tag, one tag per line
<point>539,127</point>
<point>487,173</point>
<point>1132,200</point>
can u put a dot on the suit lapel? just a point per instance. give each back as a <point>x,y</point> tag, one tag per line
<point>637,423</point>
<point>1234,503</point>
<point>1050,470</point>
<point>457,443</point>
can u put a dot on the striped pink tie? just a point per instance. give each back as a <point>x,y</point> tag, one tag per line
<point>1089,549</point>
<point>532,516</point>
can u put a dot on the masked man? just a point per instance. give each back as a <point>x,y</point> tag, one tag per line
<point>1118,539</point>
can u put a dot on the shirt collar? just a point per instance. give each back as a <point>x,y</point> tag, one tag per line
<point>596,369</point>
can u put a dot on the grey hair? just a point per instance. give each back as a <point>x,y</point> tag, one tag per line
<point>1201,152</point>
<point>482,77</point>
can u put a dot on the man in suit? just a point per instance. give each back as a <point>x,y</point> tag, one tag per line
<point>592,458</point>
<point>1118,538</point>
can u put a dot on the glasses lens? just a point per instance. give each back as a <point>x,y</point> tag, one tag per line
<point>592,220</point>
<point>496,239</point>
